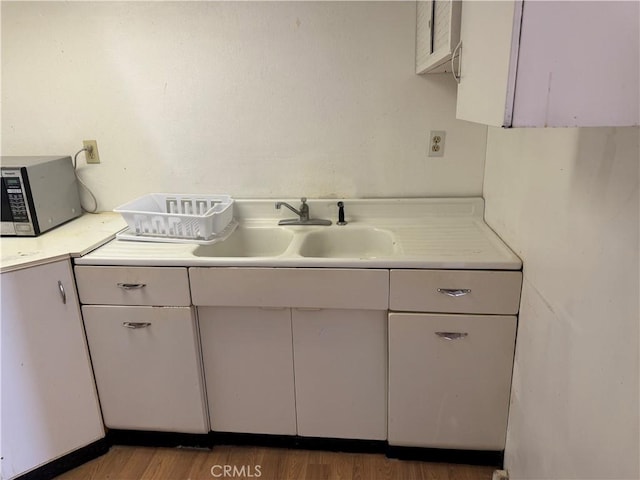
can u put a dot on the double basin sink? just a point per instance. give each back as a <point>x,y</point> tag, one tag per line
<point>349,241</point>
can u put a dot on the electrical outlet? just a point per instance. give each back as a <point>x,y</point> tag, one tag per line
<point>436,143</point>
<point>91,154</point>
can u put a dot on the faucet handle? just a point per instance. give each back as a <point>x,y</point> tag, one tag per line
<point>341,220</point>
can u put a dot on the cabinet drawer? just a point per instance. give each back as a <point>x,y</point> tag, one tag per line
<point>455,291</point>
<point>290,287</point>
<point>159,286</point>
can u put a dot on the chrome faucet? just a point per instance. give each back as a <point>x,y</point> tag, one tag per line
<point>303,215</point>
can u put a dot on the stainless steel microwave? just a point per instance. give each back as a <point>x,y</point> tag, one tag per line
<point>38,193</point>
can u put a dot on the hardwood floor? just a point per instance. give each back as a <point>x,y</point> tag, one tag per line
<point>133,463</point>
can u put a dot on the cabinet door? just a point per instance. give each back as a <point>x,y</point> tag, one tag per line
<point>49,402</point>
<point>490,34</point>
<point>437,34</point>
<point>424,35</point>
<point>523,66</point>
<point>340,361</point>
<point>147,366</point>
<point>248,365</point>
<point>578,65</point>
<point>449,380</point>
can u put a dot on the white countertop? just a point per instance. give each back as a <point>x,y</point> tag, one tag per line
<point>74,238</point>
<point>433,233</point>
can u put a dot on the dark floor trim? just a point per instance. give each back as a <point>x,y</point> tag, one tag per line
<point>303,443</point>
<point>167,439</point>
<point>493,458</point>
<point>210,440</point>
<point>158,439</point>
<point>68,462</point>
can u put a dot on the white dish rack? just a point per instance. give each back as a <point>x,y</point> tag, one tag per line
<point>166,217</point>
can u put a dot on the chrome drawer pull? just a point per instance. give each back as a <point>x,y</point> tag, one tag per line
<point>131,286</point>
<point>454,292</point>
<point>135,325</point>
<point>62,292</point>
<point>452,335</point>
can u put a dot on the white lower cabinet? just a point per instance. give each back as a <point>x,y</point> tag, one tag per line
<point>295,350</point>
<point>309,352</point>
<point>311,372</point>
<point>450,379</point>
<point>147,367</point>
<point>248,362</point>
<point>49,402</point>
<point>341,373</point>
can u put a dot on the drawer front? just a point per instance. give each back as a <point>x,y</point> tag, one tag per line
<point>455,291</point>
<point>290,287</point>
<point>157,286</point>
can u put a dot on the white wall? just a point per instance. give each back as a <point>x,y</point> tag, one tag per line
<point>566,200</point>
<point>262,99</point>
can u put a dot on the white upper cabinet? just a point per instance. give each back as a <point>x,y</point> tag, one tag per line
<point>550,64</point>
<point>437,34</point>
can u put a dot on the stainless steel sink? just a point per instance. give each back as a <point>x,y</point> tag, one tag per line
<point>249,242</point>
<point>348,242</point>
